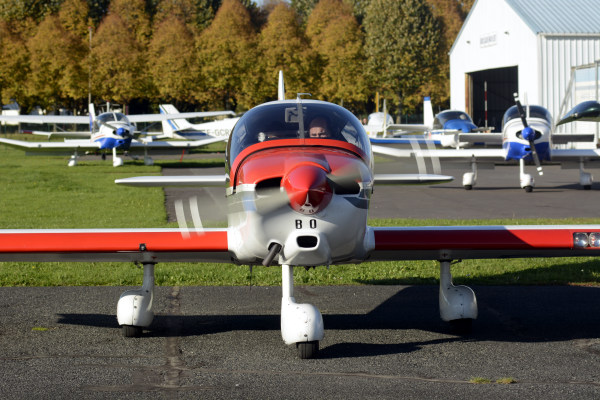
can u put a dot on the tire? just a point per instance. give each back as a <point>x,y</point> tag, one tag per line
<point>468,187</point>
<point>529,189</point>
<point>307,350</point>
<point>132,331</point>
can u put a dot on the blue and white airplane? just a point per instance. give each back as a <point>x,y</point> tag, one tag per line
<point>526,138</point>
<point>108,131</point>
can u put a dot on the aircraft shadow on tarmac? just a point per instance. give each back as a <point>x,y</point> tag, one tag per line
<point>506,314</point>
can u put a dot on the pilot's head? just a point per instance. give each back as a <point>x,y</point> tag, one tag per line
<point>318,128</point>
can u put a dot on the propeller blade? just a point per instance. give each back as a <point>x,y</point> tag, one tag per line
<point>528,134</point>
<point>536,159</point>
<point>521,110</point>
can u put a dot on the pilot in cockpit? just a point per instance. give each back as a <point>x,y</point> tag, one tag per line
<point>318,128</point>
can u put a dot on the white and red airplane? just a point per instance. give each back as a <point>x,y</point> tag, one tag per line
<point>298,194</point>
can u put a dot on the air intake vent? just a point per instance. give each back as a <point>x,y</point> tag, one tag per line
<point>307,242</point>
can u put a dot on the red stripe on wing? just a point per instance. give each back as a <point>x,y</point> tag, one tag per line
<point>73,241</point>
<point>501,238</point>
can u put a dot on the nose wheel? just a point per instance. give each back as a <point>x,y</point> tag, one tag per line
<point>308,350</point>
<point>301,324</point>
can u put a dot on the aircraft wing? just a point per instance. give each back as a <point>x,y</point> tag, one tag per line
<point>449,154</point>
<point>60,134</point>
<point>115,245</point>
<point>211,245</point>
<point>573,138</point>
<point>408,127</point>
<point>494,138</point>
<point>476,242</point>
<point>84,119</point>
<point>47,119</point>
<point>70,145</point>
<point>575,154</point>
<point>184,180</point>
<point>174,144</point>
<point>411,179</point>
<point>165,117</point>
<point>405,139</point>
<point>49,147</point>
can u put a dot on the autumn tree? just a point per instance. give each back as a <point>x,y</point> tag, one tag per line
<point>338,40</point>
<point>56,76</point>
<point>14,66</point>
<point>11,10</point>
<point>118,63</point>
<point>402,50</point>
<point>134,16</point>
<point>227,54</point>
<point>450,18</point>
<point>303,7</point>
<point>174,68</point>
<point>196,14</point>
<point>283,46</point>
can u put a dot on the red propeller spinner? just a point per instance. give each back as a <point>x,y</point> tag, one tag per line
<point>307,188</point>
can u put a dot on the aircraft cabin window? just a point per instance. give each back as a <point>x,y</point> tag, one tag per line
<point>285,120</point>
<point>534,112</point>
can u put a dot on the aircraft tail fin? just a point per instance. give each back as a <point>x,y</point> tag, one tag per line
<point>281,87</point>
<point>171,126</point>
<point>427,112</point>
<point>92,112</point>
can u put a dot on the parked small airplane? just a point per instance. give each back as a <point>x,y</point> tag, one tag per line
<point>449,128</point>
<point>526,137</point>
<point>299,178</point>
<point>108,131</point>
<point>381,124</point>
<point>181,128</point>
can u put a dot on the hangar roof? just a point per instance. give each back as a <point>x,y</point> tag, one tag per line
<point>559,16</point>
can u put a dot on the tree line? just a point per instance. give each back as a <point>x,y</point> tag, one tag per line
<point>225,54</point>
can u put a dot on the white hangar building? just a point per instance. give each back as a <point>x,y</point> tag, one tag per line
<point>525,46</point>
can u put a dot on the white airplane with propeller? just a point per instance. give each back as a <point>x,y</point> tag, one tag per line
<point>109,130</point>
<point>180,128</point>
<point>298,183</point>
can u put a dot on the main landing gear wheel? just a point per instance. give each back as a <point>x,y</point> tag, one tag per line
<point>528,189</point>
<point>307,350</point>
<point>132,331</point>
<point>468,187</point>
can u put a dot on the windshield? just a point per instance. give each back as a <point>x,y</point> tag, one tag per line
<point>285,120</point>
<point>440,120</point>
<point>534,112</point>
<point>109,117</point>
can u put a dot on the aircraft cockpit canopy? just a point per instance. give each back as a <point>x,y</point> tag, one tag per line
<point>109,117</point>
<point>292,120</point>
<point>534,112</point>
<point>442,118</point>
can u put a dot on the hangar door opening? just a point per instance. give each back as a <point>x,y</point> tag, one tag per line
<point>501,83</point>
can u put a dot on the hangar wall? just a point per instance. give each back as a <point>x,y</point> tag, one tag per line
<point>494,37</point>
<point>559,54</point>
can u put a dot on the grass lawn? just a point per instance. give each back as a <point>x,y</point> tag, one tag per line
<point>42,192</point>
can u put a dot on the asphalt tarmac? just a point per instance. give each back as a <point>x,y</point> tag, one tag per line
<point>380,341</point>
